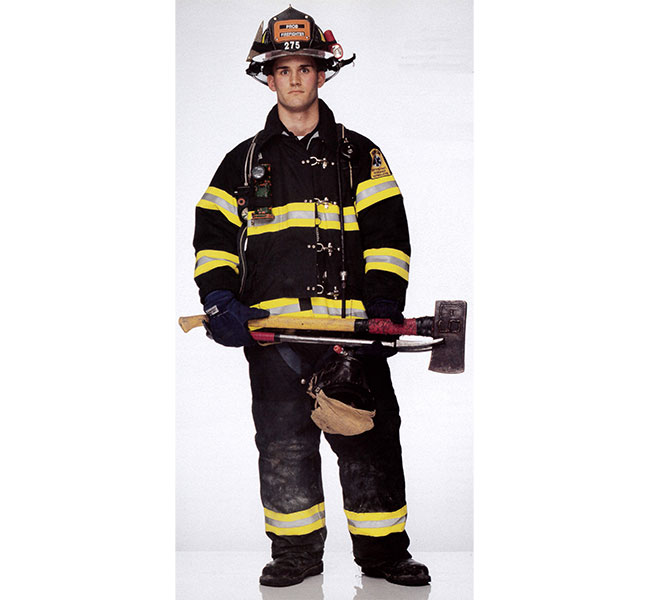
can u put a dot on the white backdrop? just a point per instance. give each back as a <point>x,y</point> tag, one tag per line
<point>411,92</point>
<point>565,191</point>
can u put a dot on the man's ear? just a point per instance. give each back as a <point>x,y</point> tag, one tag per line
<point>270,83</point>
<point>321,78</point>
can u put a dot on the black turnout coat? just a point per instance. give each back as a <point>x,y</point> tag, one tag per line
<point>291,260</point>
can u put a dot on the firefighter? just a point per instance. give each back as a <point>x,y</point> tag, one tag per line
<point>305,218</point>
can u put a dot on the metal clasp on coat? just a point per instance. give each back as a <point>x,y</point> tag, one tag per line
<point>313,161</point>
<point>330,248</point>
<point>318,289</point>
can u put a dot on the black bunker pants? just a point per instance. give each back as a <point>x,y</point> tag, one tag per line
<point>370,464</point>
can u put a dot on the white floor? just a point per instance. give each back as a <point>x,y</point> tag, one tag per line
<point>234,576</point>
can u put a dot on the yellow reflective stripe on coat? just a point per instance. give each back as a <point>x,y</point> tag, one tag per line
<point>302,214</point>
<point>218,199</point>
<point>327,307</point>
<point>387,259</point>
<point>319,307</point>
<point>296,523</point>
<point>206,260</point>
<point>376,524</point>
<point>374,190</point>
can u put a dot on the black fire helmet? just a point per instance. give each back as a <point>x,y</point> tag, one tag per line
<point>294,33</point>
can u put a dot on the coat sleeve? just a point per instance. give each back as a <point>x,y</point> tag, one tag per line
<point>383,226</point>
<point>217,230</point>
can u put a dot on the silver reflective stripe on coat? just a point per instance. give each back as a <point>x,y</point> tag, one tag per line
<point>378,258</point>
<point>283,310</point>
<point>350,218</point>
<point>373,190</point>
<point>206,259</point>
<point>219,201</point>
<point>320,307</point>
<point>305,216</point>
<point>336,311</point>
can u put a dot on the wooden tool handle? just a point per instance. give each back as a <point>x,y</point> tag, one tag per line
<point>280,322</point>
<point>187,323</point>
<point>316,323</point>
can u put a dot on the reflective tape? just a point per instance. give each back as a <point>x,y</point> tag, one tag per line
<point>296,523</point>
<point>331,214</point>
<point>387,259</point>
<point>374,190</point>
<point>217,199</point>
<point>302,214</point>
<point>376,524</point>
<point>206,260</point>
<point>327,307</point>
<point>319,307</point>
<point>281,306</point>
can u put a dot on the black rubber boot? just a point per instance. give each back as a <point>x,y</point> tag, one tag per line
<point>290,570</point>
<point>402,572</point>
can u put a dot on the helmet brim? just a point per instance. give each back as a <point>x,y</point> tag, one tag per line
<point>274,54</point>
<point>331,67</point>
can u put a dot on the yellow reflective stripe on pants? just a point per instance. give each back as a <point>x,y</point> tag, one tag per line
<point>387,259</point>
<point>296,523</point>
<point>376,524</point>
<point>374,190</point>
<point>206,260</point>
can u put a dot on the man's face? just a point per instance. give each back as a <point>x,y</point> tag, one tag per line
<point>295,80</point>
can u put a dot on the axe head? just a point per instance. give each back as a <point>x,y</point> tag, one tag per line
<point>449,323</point>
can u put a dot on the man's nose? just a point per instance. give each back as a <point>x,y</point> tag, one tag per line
<point>294,78</point>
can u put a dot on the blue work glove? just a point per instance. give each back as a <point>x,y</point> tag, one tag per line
<point>384,309</point>
<point>227,319</point>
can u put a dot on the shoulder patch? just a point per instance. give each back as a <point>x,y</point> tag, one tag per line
<point>379,165</point>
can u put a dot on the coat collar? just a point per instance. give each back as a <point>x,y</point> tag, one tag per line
<point>327,126</point>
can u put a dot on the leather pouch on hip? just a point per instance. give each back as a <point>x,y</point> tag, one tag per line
<point>333,416</point>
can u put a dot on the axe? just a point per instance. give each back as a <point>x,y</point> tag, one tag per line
<point>446,330</point>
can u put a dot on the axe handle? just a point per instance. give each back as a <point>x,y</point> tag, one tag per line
<point>315,323</point>
<point>419,326</point>
<point>187,323</point>
<point>280,322</point>
<point>375,326</point>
